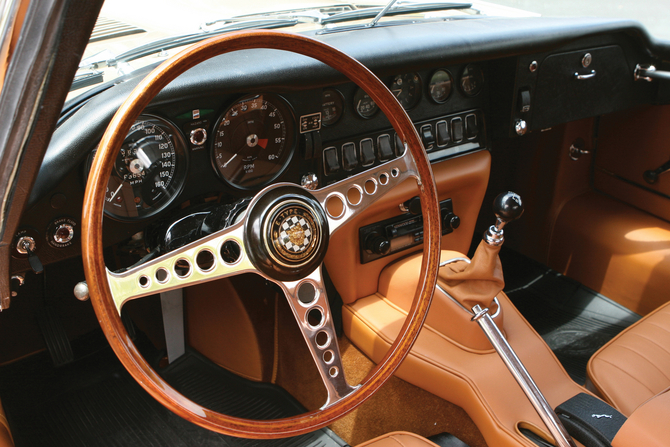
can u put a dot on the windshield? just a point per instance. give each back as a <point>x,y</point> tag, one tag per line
<point>131,34</point>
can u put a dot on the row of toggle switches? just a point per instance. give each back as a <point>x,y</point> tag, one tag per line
<point>436,134</point>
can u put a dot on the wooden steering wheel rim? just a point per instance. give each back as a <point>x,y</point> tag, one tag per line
<point>92,246</point>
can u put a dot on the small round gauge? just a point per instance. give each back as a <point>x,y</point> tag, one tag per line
<point>253,141</point>
<point>407,88</point>
<point>440,86</point>
<point>332,106</point>
<point>149,171</point>
<point>472,80</point>
<point>364,105</point>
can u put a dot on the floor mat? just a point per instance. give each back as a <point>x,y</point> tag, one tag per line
<point>572,319</point>
<point>95,402</point>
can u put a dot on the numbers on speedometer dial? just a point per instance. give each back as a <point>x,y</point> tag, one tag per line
<point>253,141</point>
<point>149,170</point>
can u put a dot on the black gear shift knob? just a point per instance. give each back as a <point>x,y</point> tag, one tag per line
<point>507,207</point>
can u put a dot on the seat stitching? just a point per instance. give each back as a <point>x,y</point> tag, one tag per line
<point>628,374</point>
<point>658,326</point>
<point>397,440</point>
<point>650,341</point>
<point>647,360</point>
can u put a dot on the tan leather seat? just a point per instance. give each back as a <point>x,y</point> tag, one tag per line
<point>635,365</point>
<point>399,439</point>
<point>5,434</point>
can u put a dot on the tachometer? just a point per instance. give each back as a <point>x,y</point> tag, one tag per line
<point>149,170</point>
<point>253,141</point>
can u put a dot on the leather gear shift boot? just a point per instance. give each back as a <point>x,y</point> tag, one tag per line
<point>476,283</point>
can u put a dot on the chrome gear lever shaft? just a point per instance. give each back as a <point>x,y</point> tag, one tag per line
<point>507,208</point>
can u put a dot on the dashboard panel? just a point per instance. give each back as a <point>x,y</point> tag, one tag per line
<point>461,86</point>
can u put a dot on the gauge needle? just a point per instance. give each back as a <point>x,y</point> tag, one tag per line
<point>115,193</point>
<point>231,159</point>
<point>263,142</point>
<point>144,158</point>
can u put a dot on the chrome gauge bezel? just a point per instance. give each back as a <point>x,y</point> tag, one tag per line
<point>287,153</point>
<point>178,178</point>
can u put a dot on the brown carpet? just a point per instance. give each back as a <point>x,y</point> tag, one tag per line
<point>398,405</point>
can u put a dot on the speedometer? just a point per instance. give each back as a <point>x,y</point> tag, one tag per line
<point>253,141</point>
<point>149,170</point>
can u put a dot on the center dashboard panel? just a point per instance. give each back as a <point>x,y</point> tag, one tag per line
<point>226,148</point>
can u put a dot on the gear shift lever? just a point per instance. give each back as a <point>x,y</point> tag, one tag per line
<point>507,207</point>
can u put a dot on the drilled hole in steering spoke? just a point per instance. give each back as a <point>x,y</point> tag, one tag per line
<point>144,281</point>
<point>383,178</point>
<point>182,268</point>
<point>322,339</point>
<point>306,293</point>
<point>315,317</point>
<point>328,357</point>
<point>395,172</point>
<point>230,252</point>
<point>205,260</point>
<point>371,186</point>
<point>162,275</point>
<point>335,206</point>
<point>354,195</point>
<point>333,371</point>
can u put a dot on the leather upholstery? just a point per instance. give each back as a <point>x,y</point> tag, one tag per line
<point>397,284</point>
<point>478,282</point>
<point>6,439</point>
<point>614,249</point>
<point>647,426</point>
<point>635,365</point>
<point>399,439</point>
<point>477,381</point>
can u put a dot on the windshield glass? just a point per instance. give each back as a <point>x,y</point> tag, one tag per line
<point>131,34</point>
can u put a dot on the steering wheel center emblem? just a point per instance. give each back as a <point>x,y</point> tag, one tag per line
<point>294,234</point>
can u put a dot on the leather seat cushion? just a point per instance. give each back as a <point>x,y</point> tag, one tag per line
<point>399,439</point>
<point>635,365</point>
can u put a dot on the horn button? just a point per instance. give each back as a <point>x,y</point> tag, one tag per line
<point>287,233</point>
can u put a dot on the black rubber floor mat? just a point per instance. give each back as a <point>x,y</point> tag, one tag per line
<point>95,402</point>
<point>572,319</point>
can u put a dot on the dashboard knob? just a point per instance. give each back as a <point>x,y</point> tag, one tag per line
<point>452,221</point>
<point>412,206</point>
<point>377,244</point>
<point>520,127</point>
<point>309,181</point>
<point>63,233</point>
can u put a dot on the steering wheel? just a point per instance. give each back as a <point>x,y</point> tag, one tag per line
<point>256,244</point>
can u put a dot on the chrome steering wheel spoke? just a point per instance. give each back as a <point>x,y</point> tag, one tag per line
<point>219,255</point>
<point>309,303</point>
<point>347,198</point>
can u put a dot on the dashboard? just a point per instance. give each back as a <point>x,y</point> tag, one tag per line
<point>237,123</point>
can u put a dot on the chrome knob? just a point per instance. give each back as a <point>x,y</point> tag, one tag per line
<point>309,181</point>
<point>63,233</point>
<point>520,127</point>
<point>81,291</point>
<point>198,137</point>
<point>25,245</point>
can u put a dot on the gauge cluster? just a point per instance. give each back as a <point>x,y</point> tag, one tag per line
<point>251,140</point>
<point>224,148</point>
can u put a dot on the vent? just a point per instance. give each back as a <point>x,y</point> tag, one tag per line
<point>109,29</point>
